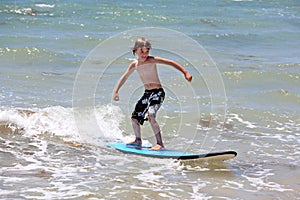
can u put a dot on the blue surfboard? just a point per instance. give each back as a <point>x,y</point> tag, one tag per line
<point>174,154</point>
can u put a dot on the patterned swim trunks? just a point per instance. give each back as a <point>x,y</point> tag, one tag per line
<point>148,104</point>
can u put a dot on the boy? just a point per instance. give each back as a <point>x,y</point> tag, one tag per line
<point>153,97</point>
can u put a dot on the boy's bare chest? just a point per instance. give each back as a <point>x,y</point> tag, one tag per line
<point>147,69</point>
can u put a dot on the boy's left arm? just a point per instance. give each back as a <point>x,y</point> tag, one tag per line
<point>187,75</point>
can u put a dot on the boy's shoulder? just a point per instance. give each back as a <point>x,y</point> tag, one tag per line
<point>133,64</point>
<point>151,58</point>
<point>135,61</point>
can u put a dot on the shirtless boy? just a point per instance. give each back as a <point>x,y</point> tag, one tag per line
<point>154,95</point>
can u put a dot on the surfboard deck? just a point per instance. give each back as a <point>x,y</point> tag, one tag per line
<point>173,154</point>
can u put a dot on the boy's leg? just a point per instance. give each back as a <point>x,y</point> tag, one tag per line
<point>137,118</point>
<point>137,130</point>
<point>156,130</point>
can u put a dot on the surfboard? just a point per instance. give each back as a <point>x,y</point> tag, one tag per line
<point>171,154</point>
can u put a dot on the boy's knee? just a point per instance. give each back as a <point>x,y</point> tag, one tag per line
<point>151,118</point>
<point>133,120</point>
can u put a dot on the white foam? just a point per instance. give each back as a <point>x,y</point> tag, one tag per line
<point>241,120</point>
<point>41,5</point>
<point>261,181</point>
<point>109,119</point>
<point>60,121</point>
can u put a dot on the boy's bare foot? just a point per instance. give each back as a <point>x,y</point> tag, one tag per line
<point>135,143</point>
<point>157,147</point>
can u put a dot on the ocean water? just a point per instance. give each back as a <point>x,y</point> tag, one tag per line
<point>60,61</point>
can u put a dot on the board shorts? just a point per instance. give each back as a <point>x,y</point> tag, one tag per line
<point>148,104</point>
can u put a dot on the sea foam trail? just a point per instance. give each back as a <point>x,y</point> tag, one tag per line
<point>59,121</point>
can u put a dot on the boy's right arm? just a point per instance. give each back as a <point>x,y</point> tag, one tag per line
<point>123,80</point>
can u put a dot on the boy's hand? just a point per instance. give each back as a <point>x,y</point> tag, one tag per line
<point>116,96</point>
<point>188,76</point>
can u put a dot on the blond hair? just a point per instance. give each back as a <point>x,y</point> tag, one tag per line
<point>140,43</point>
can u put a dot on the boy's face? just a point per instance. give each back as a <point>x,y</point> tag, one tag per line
<point>142,53</point>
